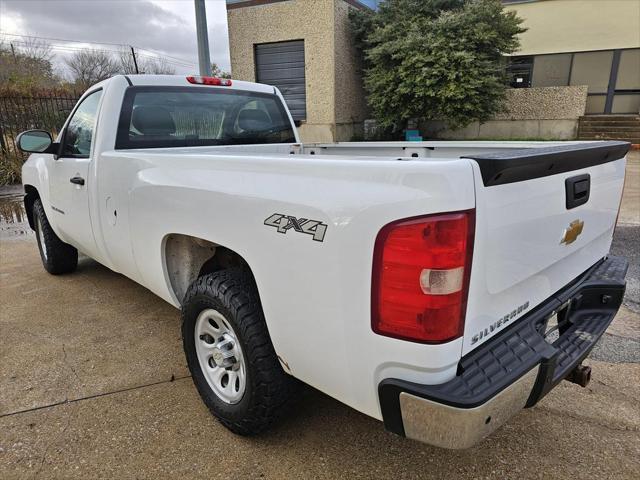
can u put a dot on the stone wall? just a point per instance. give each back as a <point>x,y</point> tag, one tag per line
<point>545,103</point>
<point>530,113</point>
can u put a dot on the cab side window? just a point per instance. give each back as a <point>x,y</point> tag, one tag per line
<point>79,134</point>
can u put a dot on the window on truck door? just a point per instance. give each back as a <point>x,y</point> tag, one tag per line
<point>77,138</point>
<point>159,117</point>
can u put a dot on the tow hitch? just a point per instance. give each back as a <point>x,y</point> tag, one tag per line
<point>580,375</point>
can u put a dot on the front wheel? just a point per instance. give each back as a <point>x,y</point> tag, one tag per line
<point>229,352</point>
<point>57,257</point>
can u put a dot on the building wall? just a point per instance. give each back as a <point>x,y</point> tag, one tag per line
<point>335,101</point>
<point>351,105</point>
<point>578,25</point>
<point>308,20</point>
<point>531,113</point>
<point>582,42</point>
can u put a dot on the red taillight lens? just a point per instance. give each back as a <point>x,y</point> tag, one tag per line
<point>421,271</point>
<point>221,82</point>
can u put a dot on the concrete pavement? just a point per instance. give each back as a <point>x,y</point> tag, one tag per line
<point>93,384</point>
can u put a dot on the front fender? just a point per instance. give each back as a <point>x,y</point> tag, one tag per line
<point>35,178</point>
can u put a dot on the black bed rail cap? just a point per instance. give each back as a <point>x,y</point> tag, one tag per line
<point>512,166</point>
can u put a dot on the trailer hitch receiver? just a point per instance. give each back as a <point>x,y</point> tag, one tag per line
<point>580,375</point>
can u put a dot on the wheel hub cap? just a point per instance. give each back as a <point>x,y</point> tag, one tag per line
<point>224,353</point>
<point>220,356</point>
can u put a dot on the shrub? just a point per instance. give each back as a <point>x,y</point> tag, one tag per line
<point>435,59</point>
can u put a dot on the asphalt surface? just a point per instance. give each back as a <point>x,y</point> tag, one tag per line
<point>626,243</point>
<point>622,343</point>
<point>93,384</point>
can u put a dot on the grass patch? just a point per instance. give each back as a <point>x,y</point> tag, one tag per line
<point>11,168</point>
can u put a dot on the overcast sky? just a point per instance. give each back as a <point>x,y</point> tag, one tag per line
<point>165,26</point>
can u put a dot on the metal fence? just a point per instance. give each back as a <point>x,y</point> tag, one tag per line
<point>24,113</point>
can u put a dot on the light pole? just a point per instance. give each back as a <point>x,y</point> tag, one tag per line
<point>204,58</point>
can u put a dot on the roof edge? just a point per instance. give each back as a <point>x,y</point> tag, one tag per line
<point>254,3</point>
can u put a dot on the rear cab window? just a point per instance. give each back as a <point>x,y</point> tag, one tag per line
<point>160,117</point>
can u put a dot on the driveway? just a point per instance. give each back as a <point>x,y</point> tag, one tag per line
<point>93,384</point>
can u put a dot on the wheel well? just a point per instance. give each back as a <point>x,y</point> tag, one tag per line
<point>187,258</point>
<point>31,195</point>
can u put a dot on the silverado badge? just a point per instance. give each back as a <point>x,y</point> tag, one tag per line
<point>572,232</point>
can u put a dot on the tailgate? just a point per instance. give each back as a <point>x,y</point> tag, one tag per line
<point>543,217</point>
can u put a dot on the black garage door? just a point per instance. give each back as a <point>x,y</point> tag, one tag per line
<point>282,65</point>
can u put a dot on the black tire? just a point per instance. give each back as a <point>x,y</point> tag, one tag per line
<point>57,257</point>
<point>268,388</point>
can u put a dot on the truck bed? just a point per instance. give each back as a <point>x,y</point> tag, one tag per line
<point>392,151</point>
<point>521,194</point>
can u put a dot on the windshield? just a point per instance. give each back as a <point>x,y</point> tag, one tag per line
<point>157,117</point>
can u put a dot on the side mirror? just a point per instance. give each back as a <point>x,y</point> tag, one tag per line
<point>297,123</point>
<point>34,141</point>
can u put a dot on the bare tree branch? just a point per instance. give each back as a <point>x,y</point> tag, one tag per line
<point>91,66</point>
<point>127,66</point>
<point>151,66</point>
<point>158,66</point>
<point>36,49</point>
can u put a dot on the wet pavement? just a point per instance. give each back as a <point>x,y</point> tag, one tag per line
<point>13,219</point>
<point>93,384</point>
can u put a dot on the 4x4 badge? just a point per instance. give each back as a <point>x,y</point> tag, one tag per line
<point>284,223</point>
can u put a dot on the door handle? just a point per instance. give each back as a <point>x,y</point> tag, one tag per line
<point>577,190</point>
<point>77,180</point>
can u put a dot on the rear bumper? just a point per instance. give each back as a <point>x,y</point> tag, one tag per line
<point>511,371</point>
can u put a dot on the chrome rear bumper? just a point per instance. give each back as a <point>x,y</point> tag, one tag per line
<point>512,370</point>
<point>451,427</point>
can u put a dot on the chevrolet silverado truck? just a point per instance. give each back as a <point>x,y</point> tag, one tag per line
<point>440,287</point>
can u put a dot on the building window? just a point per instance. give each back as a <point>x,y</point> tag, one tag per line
<point>626,97</point>
<point>592,69</point>
<point>596,104</point>
<point>551,70</point>
<point>626,103</point>
<point>629,70</point>
<point>281,64</point>
<point>612,76</point>
<point>519,72</point>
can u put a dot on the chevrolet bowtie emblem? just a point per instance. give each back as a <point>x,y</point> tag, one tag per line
<point>572,232</point>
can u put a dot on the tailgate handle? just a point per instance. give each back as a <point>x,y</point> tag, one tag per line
<point>577,190</point>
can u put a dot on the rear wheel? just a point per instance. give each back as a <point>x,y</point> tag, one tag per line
<point>57,257</point>
<point>229,352</point>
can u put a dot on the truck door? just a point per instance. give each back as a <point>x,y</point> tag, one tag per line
<point>69,179</point>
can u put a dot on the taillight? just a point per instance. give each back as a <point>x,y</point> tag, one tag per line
<point>421,271</point>
<point>221,82</point>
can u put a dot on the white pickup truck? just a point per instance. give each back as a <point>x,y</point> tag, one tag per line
<point>438,286</point>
